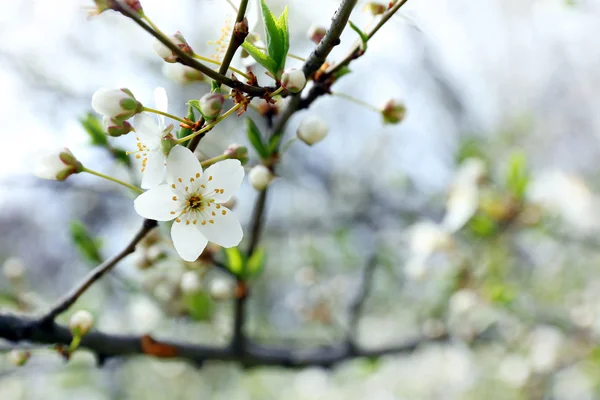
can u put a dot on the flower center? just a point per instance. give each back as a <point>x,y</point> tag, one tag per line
<point>194,202</point>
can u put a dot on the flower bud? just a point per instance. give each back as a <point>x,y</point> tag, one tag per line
<point>393,112</point>
<point>57,164</point>
<point>293,80</point>
<point>182,73</point>
<point>375,8</point>
<point>116,103</point>
<point>115,127</point>
<point>18,357</point>
<point>260,177</point>
<point>316,33</point>
<point>101,6</point>
<point>221,289</point>
<point>190,282</point>
<point>136,6</point>
<point>13,268</point>
<point>81,322</point>
<point>166,53</point>
<point>312,129</point>
<point>211,105</point>
<point>238,152</point>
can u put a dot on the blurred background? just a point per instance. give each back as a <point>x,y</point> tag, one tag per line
<point>481,207</point>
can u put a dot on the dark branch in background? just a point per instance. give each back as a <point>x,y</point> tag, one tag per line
<point>357,304</point>
<point>63,304</point>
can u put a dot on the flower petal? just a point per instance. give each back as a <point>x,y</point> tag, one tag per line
<point>226,176</point>
<point>157,203</point>
<point>147,130</point>
<point>225,230</point>
<point>154,172</point>
<point>188,240</point>
<point>161,102</point>
<point>182,164</point>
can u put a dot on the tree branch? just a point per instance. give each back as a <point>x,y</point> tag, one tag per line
<point>67,301</point>
<point>357,304</point>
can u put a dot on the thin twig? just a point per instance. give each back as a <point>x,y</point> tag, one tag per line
<point>236,39</point>
<point>67,301</point>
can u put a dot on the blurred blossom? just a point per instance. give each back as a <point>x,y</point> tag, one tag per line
<point>425,239</point>
<point>145,316</point>
<point>13,268</point>
<point>573,383</point>
<point>514,370</point>
<point>567,196</point>
<point>545,343</point>
<point>190,282</point>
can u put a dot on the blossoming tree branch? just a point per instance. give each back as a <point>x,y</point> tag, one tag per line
<point>195,198</point>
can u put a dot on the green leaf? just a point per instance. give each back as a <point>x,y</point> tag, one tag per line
<point>261,57</point>
<point>284,32</point>
<point>275,41</point>
<point>235,261</point>
<point>195,104</point>
<point>121,156</point>
<point>255,263</point>
<point>88,247</point>
<point>517,175</point>
<point>94,129</point>
<point>482,226</point>
<point>199,305</point>
<point>255,138</point>
<point>342,71</point>
<point>183,132</point>
<point>363,37</point>
<point>273,143</point>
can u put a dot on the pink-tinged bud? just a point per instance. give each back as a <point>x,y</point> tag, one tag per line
<point>316,34</point>
<point>293,80</point>
<point>57,164</point>
<point>238,152</point>
<point>211,105</point>
<point>393,112</point>
<point>260,177</point>
<point>101,6</point>
<point>81,322</point>
<point>18,358</point>
<point>116,103</point>
<point>375,8</point>
<point>182,73</point>
<point>136,6</point>
<point>166,54</point>
<point>115,127</point>
<point>312,129</point>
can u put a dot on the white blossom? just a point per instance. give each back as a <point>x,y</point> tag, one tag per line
<point>293,80</point>
<point>182,73</point>
<point>463,200</point>
<point>194,199</point>
<point>221,289</point>
<point>190,282</point>
<point>13,268</point>
<point>116,103</point>
<point>81,322</point>
<point>260,177</point>
<point>312,129</point>
<point>151,138</point>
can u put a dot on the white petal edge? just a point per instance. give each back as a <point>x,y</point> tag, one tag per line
<point>187,240</point>
<point>154,173</point>
<point>157,203</point>
<point>182,163</point>
<point>161,102</point>
<point>147,130</point>
<point>226,230</point>
<point>226,175</point>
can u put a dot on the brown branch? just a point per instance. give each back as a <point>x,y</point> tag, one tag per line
<point>68,300</point>
<point>237,38</point>
<point>357,304</point>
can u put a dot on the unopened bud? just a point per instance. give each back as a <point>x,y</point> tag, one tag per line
<point>190,282</point>
<point>115,127</point>
<point>375,8</point>
<point>166,53</point>
<point>316,33</point>
<point>116,103</point>
<point>136,6</point>
<point>293,80</point>
<point>393,112</point>
<point>57,164</point>
<point>13,268</point>
<point>221,289</point>
<point>211,105</point>
<point>260,177</point>
<point>101,6</point>
<point>238,152</point>
<point>168,140</point>
<point>312,129</point>
<point>81,322</point>
<point>182,73</point>
<point>18,357</point>
<point>240,30</point>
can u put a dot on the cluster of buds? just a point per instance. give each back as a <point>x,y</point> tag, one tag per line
<point>316,33</point>
<point>312,129</point>
<point>393,112</point>
<point>167,54</point>
<point>260,177</point>
<point>211,105</point>
<point>238,152</point>
<point>58,165</point>
<point>293,80</point>
<point>118,104</point>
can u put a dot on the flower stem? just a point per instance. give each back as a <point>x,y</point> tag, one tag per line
<point>74,343</point>
<point>210,60</point>
<point>275,93</point>
<point>152,110</point>
<point>145,18</point>
<point>209,126</point>
<point>211,161</point>
<point>110,178</point>
<point>357,101</point>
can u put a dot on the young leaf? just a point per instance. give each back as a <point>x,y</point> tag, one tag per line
<point>273,143</point>
<point>121,156</point>
<point>363,37</point>
<point>88,247</point>
<point>255,138</point>
<point>342,71</point>
<point>195,104</point>
<point>183,132</point>
<point>517,176</point>
<point>199,305</point>
<point>260,57</point>
<point>282,24</point>
<point>273,35</point>
<point>93,127</point>
<point>235,261</point>
<point>255,263</point>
